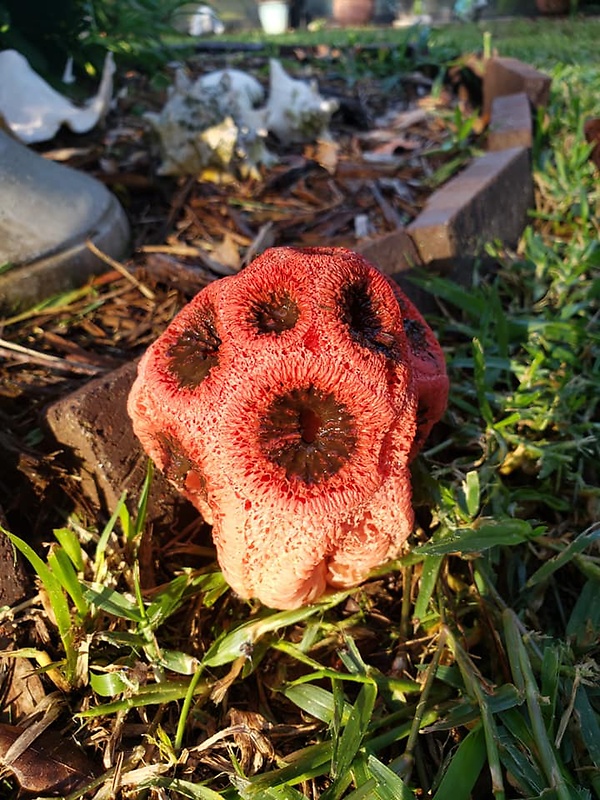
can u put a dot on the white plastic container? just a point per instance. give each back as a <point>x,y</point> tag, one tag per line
<point>273,16</point>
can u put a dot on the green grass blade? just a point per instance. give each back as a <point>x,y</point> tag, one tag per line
<point>399,732</point>
<point>550,684</point>
<point>589,727</point>
<point>576,546</point>
<point>584,623</point>
<point>389,786</point>
<point>429,576</point>
<point>185,710</point>
<point>182,788</point>
<point>113,602</point>
<point>100,555</point>
<point>304,764</point>
<point>519,764</point>
<point>367,790</point>
<point>178,661</point>
<point>148,695</point>
<point>62,566</point>
<point>485,534</point>
<point>465,710</point>
<point>278,793</point>
<point>109,684</point>
<point>474,688</point>
<point>423,700</point>
<point>350,740</point>
<point>316,701</point>
<point>545,749</point>
<point>140,520</point>
<point>392,684</point>
<point>167,601</point>
<point>461,773</point>
<point>351,658</point>
<point>459,296</point>
<point>481,384</point>
<point>472,493</point>
<point>237,641</point>
<point>518,726</point>
<point>70,543</point>
<point>56,596</point>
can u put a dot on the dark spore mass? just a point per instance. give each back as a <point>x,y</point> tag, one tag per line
<point>309,433</point>
<point>361,314</point>
<point>274,314</point>
<point>196,351</point>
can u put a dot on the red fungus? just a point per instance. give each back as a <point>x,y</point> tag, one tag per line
<point>286,403</point>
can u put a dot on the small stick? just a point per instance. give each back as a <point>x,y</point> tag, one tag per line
<point>24,354</point>
<point>148,293</point>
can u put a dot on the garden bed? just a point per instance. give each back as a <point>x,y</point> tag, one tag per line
<point>368,180</point>
<point>329,695</point>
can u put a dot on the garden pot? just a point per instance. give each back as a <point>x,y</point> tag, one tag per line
<point>352,12</point>
<point>274,16</point>
<point>553,6</point>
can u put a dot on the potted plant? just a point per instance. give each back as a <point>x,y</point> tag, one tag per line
<point>352,12</point>
<point>274,15</point>
<point>553,6</point>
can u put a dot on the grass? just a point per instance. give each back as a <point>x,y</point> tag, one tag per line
<point>544,42</point>
<point>470,667</point>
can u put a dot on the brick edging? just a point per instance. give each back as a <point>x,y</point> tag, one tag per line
<point>488,201</point>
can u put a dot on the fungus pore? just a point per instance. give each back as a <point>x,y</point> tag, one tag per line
<point>286,403</point>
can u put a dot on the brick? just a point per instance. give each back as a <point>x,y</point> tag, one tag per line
<point>395,254</point>
<point>489,200</point>
<point>392,253</point>
<point>510,123</point>
<point>510,76</point>
<point>93,425</point>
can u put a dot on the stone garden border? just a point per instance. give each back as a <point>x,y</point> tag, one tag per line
<point>488,201</point>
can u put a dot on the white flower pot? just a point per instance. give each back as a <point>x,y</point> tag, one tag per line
<point>273,16</point>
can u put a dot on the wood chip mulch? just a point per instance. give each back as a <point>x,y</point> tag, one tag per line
<point>373,175</point>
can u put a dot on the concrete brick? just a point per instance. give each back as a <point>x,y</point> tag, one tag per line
<point>510,76</point>
<point>93,425</point>
<point>488,200</point>
<point>510,123</point>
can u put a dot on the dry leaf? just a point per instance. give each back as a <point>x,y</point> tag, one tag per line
<point>248,730</point>
<point>396,143</point>
<point>24,691</point>
<point>326,153</point>
<point>227,253</point>
<point>399,121</point>
<point>52,764</point>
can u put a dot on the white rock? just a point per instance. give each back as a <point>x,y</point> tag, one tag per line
<point>238,95</point>
<point>296,112</point>
<point>197,113</point>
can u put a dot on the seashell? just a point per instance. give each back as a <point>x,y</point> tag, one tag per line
<point>34,111</point>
